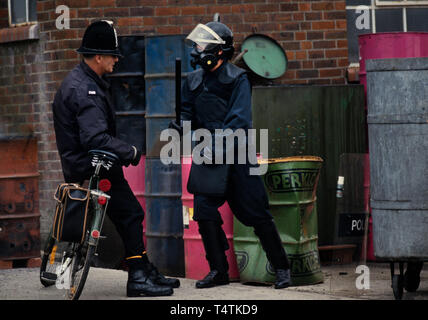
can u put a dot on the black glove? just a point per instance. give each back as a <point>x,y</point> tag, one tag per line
<point>137,157</point>
<point>174,125</point>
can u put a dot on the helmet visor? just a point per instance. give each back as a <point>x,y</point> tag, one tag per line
<point>203,38</point>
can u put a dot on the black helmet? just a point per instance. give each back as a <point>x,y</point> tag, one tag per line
<point>100,38</point>
<point>226,34</point>
<point>207,42</point>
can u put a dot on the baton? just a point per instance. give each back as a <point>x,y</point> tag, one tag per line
<point>178,90</point>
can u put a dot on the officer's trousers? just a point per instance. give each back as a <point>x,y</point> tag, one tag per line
<point>127,215</point>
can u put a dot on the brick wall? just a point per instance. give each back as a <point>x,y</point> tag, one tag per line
<point>313,34</point>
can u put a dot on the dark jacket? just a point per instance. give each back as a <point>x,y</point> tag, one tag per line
<point>84,119</point>
<point>227,103</point>
<point>217,100</point>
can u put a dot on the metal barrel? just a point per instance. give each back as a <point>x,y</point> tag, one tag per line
<point>164,219</point>
<point>19,199</point>
<point>291,185</point>
<point>398,139</point>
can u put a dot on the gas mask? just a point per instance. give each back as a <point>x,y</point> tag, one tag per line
<point>206,46</point>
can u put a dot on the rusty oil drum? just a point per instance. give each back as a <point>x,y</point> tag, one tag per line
<point>19,198</point>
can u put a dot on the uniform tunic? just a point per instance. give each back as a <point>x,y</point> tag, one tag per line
<point>83,120</point>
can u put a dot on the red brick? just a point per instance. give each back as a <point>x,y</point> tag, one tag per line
<point>154,21</point>
<point>333,15</point>
<point>76,3</point>
<point>267,7</point>
<point>316,54</point>
<point>307,73</point>
<point>192,10</point>
<point>144,11</point>
<point>331,63</point>
<point>300,35</point>
<point>342,44</point>
<point>314,35</point>
<point>282,16</point>
<point>324,44</point>
<point>336,53</point>
<point>116,12</point>
<point>322,5</point>
<point>304,6</point>
<point>5,264</point>
<point>335,35</point>
<point>306,45</point>
<point>301,55</point>
<point>219,9</point>
<point>168,30</point>
<point>340,5</point>
<point>324,73</point>
<point>35,262</point>
<point>322,25</point>
<point>102,3</point>
<point>341,24</point>
<point>309,64</point>
<point>289,7</point>
<point>256,17</point>
<point>134,21</point>
<point>167,11</point>
<point>312,15</point>
<point>243,8</point>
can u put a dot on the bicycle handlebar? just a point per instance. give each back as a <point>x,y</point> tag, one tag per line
<point>104,158</point>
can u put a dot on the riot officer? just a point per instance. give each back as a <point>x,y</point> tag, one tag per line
<point>218,96</point>
<point>84,119</point>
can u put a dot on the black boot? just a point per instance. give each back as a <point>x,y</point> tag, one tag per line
<point>215,244</point>
<point>275,253</point>
<point>160,279</point>
<point>140,282</point>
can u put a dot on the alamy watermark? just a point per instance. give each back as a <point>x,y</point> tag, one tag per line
<point>363,280</point>
<point>63,20</point>
<point>221,147</point>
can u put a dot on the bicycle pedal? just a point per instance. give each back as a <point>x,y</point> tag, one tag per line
<point>49,276</point>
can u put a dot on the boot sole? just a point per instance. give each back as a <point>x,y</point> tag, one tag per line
<point>283,286</point>
<point>136,293</point>
<point>212,285</point>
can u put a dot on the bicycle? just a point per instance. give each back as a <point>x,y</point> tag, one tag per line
<point>72,270</point>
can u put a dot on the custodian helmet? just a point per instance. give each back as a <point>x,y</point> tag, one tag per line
<point>100,38</point>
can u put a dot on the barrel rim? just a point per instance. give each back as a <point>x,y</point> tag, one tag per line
<point>291,159</point>
<point>393,33</point>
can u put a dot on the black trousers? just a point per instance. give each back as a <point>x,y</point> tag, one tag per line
<point>126,213</point>
<point>245,195</point>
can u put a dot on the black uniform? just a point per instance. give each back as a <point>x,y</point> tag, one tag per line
<point>84,119</point>
<point>222,100</point>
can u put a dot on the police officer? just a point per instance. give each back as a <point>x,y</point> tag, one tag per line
<point>84,119</point>
<point>218,96</point>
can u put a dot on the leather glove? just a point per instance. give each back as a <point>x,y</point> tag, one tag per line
<point>137,156</point>
<point>174,125</point>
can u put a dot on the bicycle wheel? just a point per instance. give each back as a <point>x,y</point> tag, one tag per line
<point>49,265</point>
<point>79,269</point>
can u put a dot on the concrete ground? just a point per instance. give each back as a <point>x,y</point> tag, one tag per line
<point>340,283</point>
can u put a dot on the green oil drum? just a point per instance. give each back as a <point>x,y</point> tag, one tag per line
<point>291,185</point>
